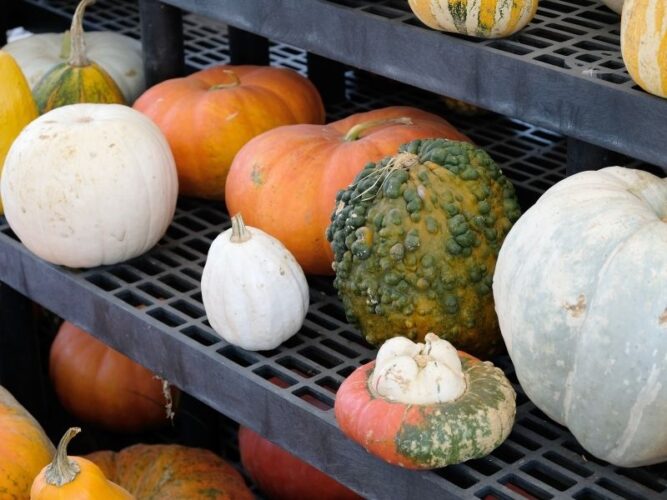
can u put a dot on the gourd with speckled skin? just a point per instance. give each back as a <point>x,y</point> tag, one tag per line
<point>480,18</point>
<point>581,294</point>
<point>644,43</point>
<point>415,240</point>
<point>426,436</point>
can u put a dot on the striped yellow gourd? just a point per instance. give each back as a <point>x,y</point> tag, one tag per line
<point>78,80</point>
<point>644,43</point>
<point>480,18</point>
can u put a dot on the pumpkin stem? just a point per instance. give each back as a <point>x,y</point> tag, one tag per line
<point>239,231</point>
<point>62,470</point>
<point>236,81</point>
<point>355,132</point>
<point>78,56</point>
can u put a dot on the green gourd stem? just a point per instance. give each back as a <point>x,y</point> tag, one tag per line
<point>239,231</point>
<point>355,132</point>
<point>236,81</point>
<point>78,56</point>
<point>62,470</point>
<point>66,46</point>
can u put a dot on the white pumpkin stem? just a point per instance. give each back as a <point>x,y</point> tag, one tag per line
<point>355,132</point>
<point>235,82</point>
<point>62,470</point>
<point>78,56</point>
<point>239,232</point>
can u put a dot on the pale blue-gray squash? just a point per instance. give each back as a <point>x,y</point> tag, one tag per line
<point>580,290</point>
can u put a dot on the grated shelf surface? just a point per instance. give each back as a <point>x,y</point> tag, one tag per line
<point>161,291</point>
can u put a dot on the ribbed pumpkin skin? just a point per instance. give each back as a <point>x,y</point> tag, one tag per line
<point>207,125</point>
<point>429,436</point>
<point>479,18</point>
<point>172,471</point>
<point>66,84</point>
<point>282,476</point>
<point>415,239</point>
<point>581,294</point>
<point>24,448</point>
<point>644,43</point>
<point>285,181</point>
<point>101,386</point>
<point>17,107</point>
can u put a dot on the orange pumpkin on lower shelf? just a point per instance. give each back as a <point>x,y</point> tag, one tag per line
<point>102,386</point>
<point>282,476</point>
<point>209,115</point>
<point>285,181</point>
<point>172,472</point>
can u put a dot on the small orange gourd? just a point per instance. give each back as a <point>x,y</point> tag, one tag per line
<point>74,478</point>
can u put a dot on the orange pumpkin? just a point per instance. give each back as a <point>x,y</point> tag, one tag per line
<point>209,115</point>
<point>285,181</point>
<point>282,476</point>
<point>102,386</point>
<point>172,471</point>
<point>24,448</point>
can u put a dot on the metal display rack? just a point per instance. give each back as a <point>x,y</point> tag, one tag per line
<point>564,71</point>
<point>151,309</point>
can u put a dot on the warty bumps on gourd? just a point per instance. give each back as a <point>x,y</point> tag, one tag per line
<point>415,239</point>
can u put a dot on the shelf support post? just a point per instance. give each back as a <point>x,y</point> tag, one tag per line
<point>247,48</point>
<point>583,156</point>
<point>328,76</point>
<point>21,369</point>
<point>162,38</point>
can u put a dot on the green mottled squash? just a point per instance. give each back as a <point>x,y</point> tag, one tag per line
<point>415,239</point>
<point>78,80</point>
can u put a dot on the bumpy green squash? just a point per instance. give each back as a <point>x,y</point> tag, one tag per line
<point>78,80</point>
<point>415,239</point>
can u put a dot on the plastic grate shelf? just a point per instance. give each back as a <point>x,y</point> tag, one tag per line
<point>580,36</point>
<point>160,290</point>
<point>540,458</point>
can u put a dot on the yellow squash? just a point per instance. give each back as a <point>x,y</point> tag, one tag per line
<point>17,107</point>
<point>644,43</point>
<point>24,448</point>
<point>78,80</point>
<point>74,478</point>
<point>480,18</point>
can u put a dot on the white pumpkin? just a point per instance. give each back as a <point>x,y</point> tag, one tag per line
<point>89,184</point>
<point>580,289</point>
<point>119,55</point>
<point>615,5</point>
<point>254,292</point>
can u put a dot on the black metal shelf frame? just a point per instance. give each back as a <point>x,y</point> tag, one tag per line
<point>150,309</point>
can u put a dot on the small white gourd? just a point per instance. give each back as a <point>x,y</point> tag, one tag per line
<point>89,184</point>
<point>254,292</point>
